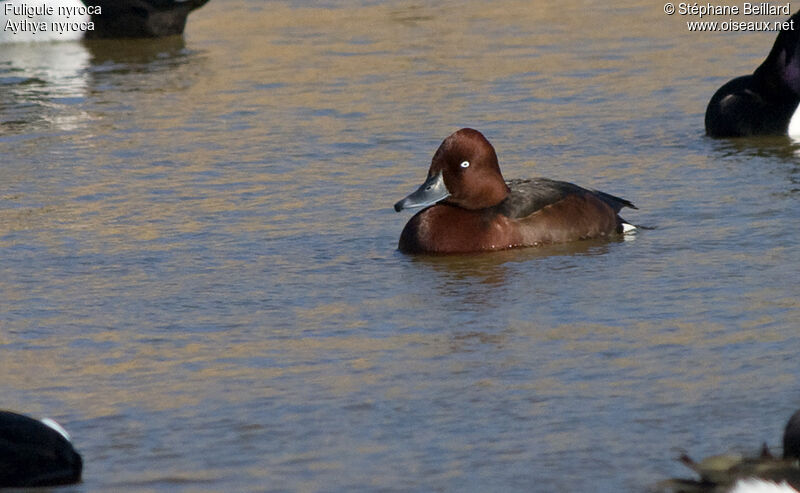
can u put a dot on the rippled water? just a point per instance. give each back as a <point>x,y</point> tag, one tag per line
<point>198,266</point>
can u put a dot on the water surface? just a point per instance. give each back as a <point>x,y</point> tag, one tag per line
<point>199,276</point>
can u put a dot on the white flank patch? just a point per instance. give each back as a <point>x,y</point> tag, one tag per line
<point>628,228</point>
<point>754,485</point>
<point>794,123</point>
<point>60,429</point>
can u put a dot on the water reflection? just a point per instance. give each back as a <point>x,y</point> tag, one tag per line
<point>45,85</point>
<point>487,266</point>
<point>784,149</point>
<point>209,260</point>
<point>470,287</point>
<point>781,146</point>
<point>137,55</point>
<point>41,84</point>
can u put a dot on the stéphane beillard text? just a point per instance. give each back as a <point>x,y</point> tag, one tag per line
<point>747,8</point>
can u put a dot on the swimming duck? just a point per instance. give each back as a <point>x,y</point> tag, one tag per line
<point>140,18</point>
<point>765,102</point>
<point>469,207</point>
<point>36,453</point>
<point>731,473</point>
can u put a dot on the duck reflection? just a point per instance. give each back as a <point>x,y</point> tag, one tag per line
<point>477,282</point>
<point>783,148</point>
<point>42,85</point>
<point>45,85</point>
<point>492,266</point>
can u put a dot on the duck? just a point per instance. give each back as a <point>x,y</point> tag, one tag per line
<point>469,207</point>
<point>140,18</point>
<point>36,453</point>
<point>766,101</point>
<point>735,473</point>
<point>73,20</point>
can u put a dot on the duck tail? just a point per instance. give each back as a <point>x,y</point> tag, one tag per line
<point>617,203</point>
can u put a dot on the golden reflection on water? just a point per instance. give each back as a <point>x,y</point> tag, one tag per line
<point>197,368</point>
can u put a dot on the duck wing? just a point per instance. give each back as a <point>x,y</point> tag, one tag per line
<point>530,195</point>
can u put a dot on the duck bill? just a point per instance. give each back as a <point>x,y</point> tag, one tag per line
<point>430,192</point>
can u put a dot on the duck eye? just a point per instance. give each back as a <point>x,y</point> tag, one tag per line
<point>465,164</point>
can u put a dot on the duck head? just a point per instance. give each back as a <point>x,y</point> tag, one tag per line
<point>463,172</point>
<point>783,60</point>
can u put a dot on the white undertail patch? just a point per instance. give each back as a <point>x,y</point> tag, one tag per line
<point>794,123</point>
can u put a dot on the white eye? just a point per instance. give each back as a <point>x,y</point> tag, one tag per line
<point>465,164</point>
